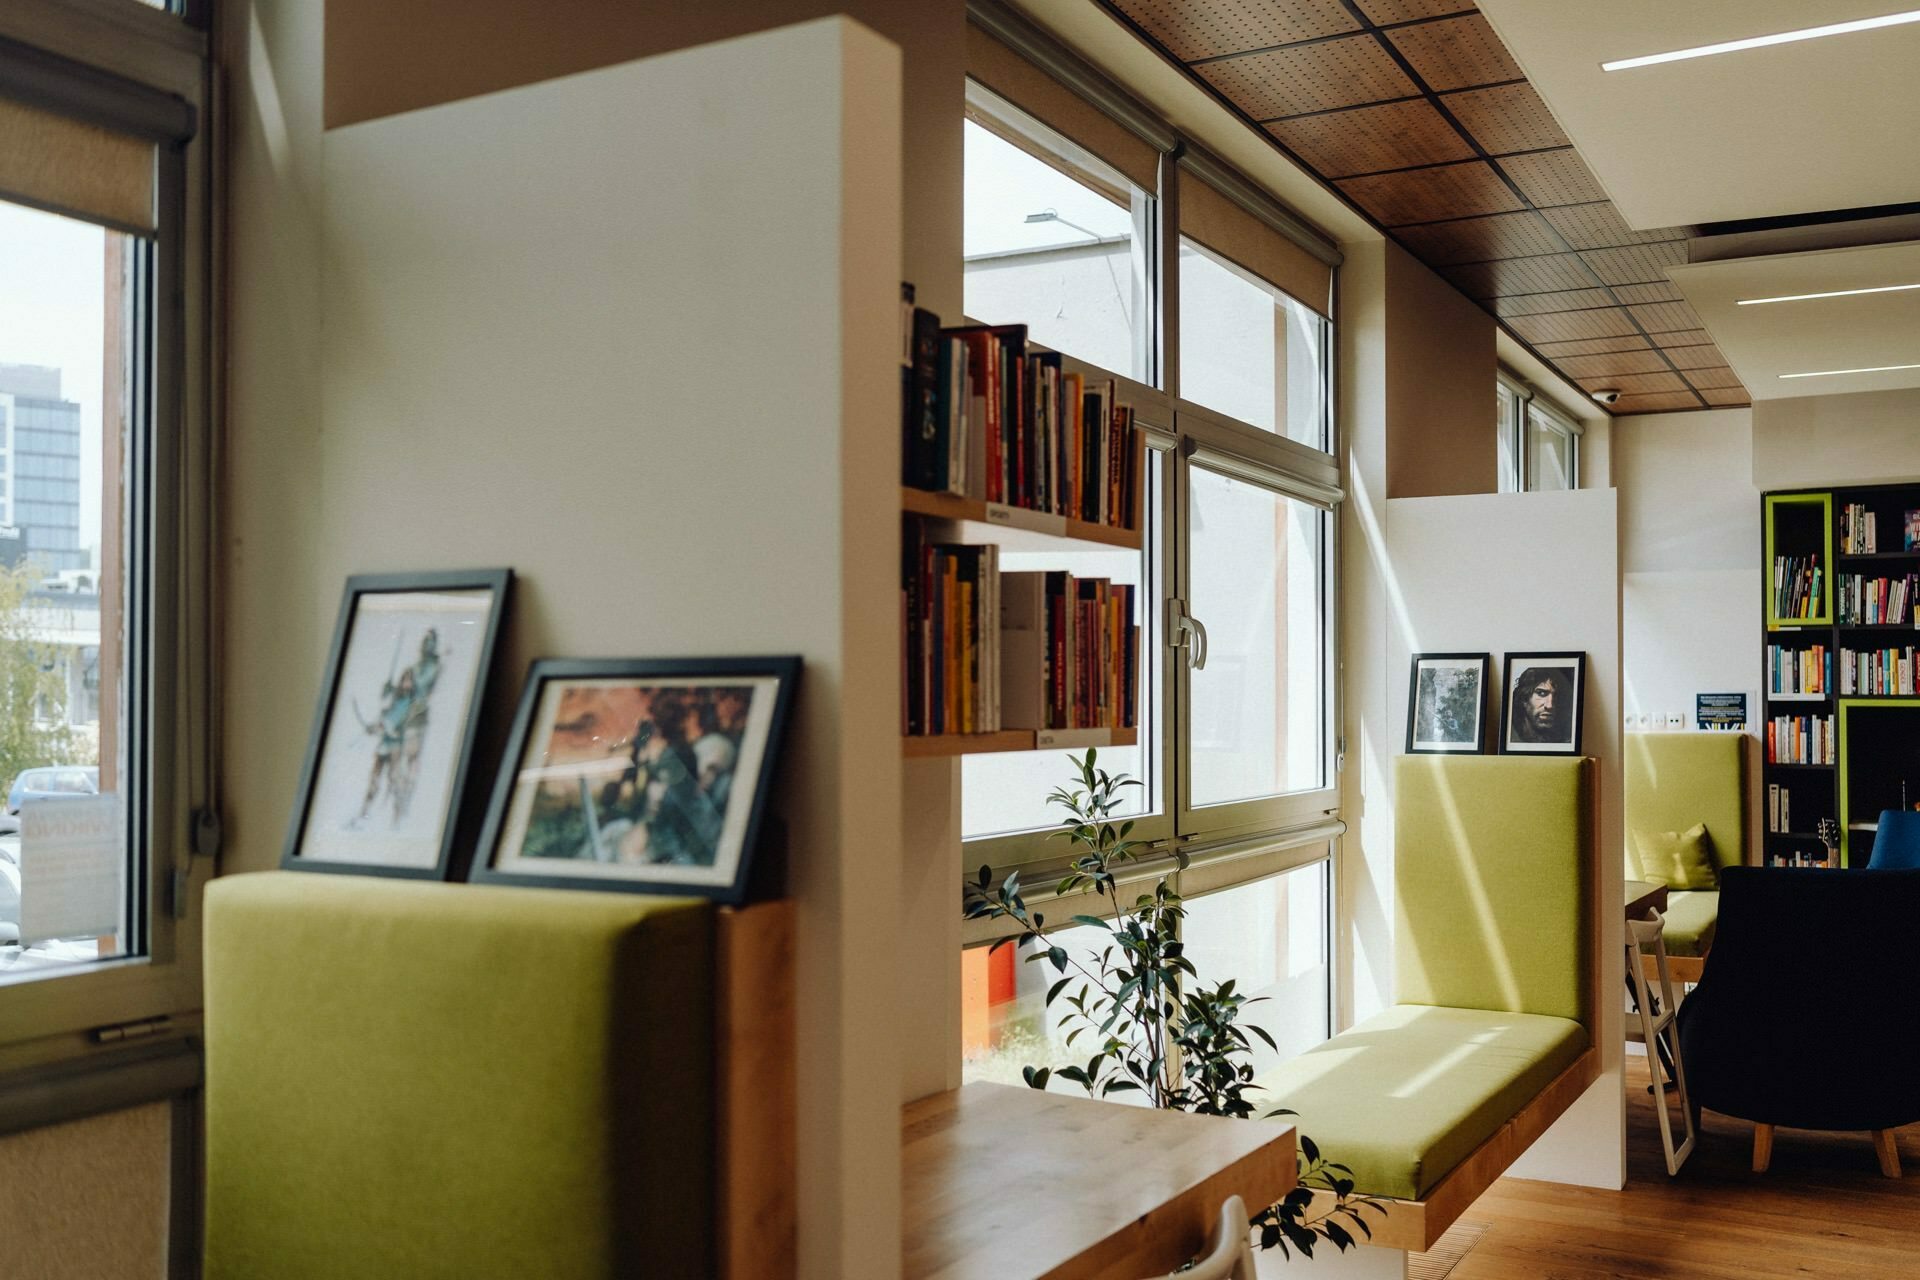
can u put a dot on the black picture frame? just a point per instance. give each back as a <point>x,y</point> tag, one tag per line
<point>297,855</point>
<point>1417,746</point>
<point>728,877</point>
<point>1565,742</point>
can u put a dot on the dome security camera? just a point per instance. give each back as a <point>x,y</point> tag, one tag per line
<point>1607,396</point>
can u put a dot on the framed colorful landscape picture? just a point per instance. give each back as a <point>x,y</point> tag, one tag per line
<point>645,775</point>
<point>386,768</point>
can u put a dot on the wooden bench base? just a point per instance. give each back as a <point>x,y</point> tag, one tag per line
<point>1416,1225</point>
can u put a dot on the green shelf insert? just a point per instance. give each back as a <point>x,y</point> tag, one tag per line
<point>1775,503</point>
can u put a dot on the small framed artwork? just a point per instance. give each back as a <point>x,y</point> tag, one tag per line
<point>645,775</point>
<point>1541,702</point>
<point>386,768</point>
<point>1446,703</point>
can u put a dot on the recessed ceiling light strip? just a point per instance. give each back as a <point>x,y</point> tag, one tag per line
<point>1837,293</point>
<point>1759,42</point>
<point>1834,373</point>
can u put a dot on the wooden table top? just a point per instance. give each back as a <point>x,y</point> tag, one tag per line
<point>1644,896</point>
<point>1005,1183</point>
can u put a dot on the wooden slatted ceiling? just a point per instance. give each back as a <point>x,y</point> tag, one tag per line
<point>1417,114</point>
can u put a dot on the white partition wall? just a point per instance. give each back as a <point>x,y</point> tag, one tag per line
<point>1520,572</point>
<point>632,332</point>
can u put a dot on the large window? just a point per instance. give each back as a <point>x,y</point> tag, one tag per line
<point>1056,244</point>
<point>1250,351</point>
<point>104,728</point>
<point>1235,582</point>
<point>1539,446</point>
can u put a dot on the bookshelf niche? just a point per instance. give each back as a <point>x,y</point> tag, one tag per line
<point>1841,643</point>
<point>1015,460</point>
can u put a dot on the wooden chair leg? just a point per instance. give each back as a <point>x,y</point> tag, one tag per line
<point>1888,1151</point>
<point>1762,1147</point>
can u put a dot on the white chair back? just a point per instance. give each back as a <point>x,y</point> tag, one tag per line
<point>1231,1257</point>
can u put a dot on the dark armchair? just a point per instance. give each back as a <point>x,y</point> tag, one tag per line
<point>1807,1012</point>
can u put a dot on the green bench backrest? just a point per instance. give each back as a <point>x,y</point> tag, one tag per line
<point>1493,884</point>
<point>438,1080</point>
<point>1674,780</point>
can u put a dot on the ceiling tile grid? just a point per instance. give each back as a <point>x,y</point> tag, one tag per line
<point>1415,111</point>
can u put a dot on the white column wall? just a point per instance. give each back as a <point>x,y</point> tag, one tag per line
<point>1517,572</point>
<point>632,333</point>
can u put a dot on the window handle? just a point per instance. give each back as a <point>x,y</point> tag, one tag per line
<point>1184,631</point>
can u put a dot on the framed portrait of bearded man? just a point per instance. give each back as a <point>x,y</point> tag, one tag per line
<point>383,789</point>
<point>1542,704</point>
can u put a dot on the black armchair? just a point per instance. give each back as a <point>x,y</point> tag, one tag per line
<point>1808,1012</point>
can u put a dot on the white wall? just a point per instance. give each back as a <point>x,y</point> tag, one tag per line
<point>1690,559</point>
<point>1835,440</point>
<point>670,405</point>
<point>1516,572</point>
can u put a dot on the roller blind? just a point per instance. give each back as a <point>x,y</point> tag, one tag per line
<point>54,162</point>
<point>1041,96</point>
<point>1224,225</point>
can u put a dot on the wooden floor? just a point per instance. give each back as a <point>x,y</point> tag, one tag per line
<point>1823,1210</point>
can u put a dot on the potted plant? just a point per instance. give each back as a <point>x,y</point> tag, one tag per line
<point>1151,1025</point>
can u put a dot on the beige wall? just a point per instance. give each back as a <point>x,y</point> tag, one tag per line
<point>491,333</point>
<point>388,56</point>
<point>1836,440</point>
<point>88,1200</point>
<point>1439,384</point>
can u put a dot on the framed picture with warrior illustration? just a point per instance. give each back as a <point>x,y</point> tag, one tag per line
<point>1541,704</point>
<point>386,768</point>
<point>644,775</point>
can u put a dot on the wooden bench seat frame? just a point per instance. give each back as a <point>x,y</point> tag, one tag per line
<point>1416,1225</point>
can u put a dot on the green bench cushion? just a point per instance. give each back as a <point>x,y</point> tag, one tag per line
<point>1492,885</point>
<point>1674,780</point>
<point>1689,921</point>
<point>1407,1095</point>
<point>442,1080</point>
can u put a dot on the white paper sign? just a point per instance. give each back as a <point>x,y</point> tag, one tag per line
<point>72,863</point>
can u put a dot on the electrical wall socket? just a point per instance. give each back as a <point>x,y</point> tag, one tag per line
<point>1676,720</point>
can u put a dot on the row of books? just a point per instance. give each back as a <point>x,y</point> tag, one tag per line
<point>1779,809</point>
<point>1875,602</point>
<point>1877,672</point>
<point>1818,858</point>
<point>987,650</point>
<point>1796,586</point>
<point>1859,530</point>
<point>1800,740</point>
<point>1808,670</point>
<point>987,419</point>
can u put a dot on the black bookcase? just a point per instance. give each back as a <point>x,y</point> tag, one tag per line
<point>1840,734</point>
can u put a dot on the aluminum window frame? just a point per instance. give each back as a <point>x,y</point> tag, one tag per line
<point>1526,405</point>
<point>146,71</point>
<point>1181,435</point>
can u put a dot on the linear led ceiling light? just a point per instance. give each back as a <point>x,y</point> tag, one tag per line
<point>1834,373</point>
<point>1837,293</point>
<point>1757,42</point>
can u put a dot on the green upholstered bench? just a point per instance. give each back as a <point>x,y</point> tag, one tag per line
<point>1673,781</point>
<point>1494,972</point>
<point>428,1080</point>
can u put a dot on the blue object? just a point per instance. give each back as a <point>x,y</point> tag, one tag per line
<point>57,780</point>
<point>1896,844</point>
